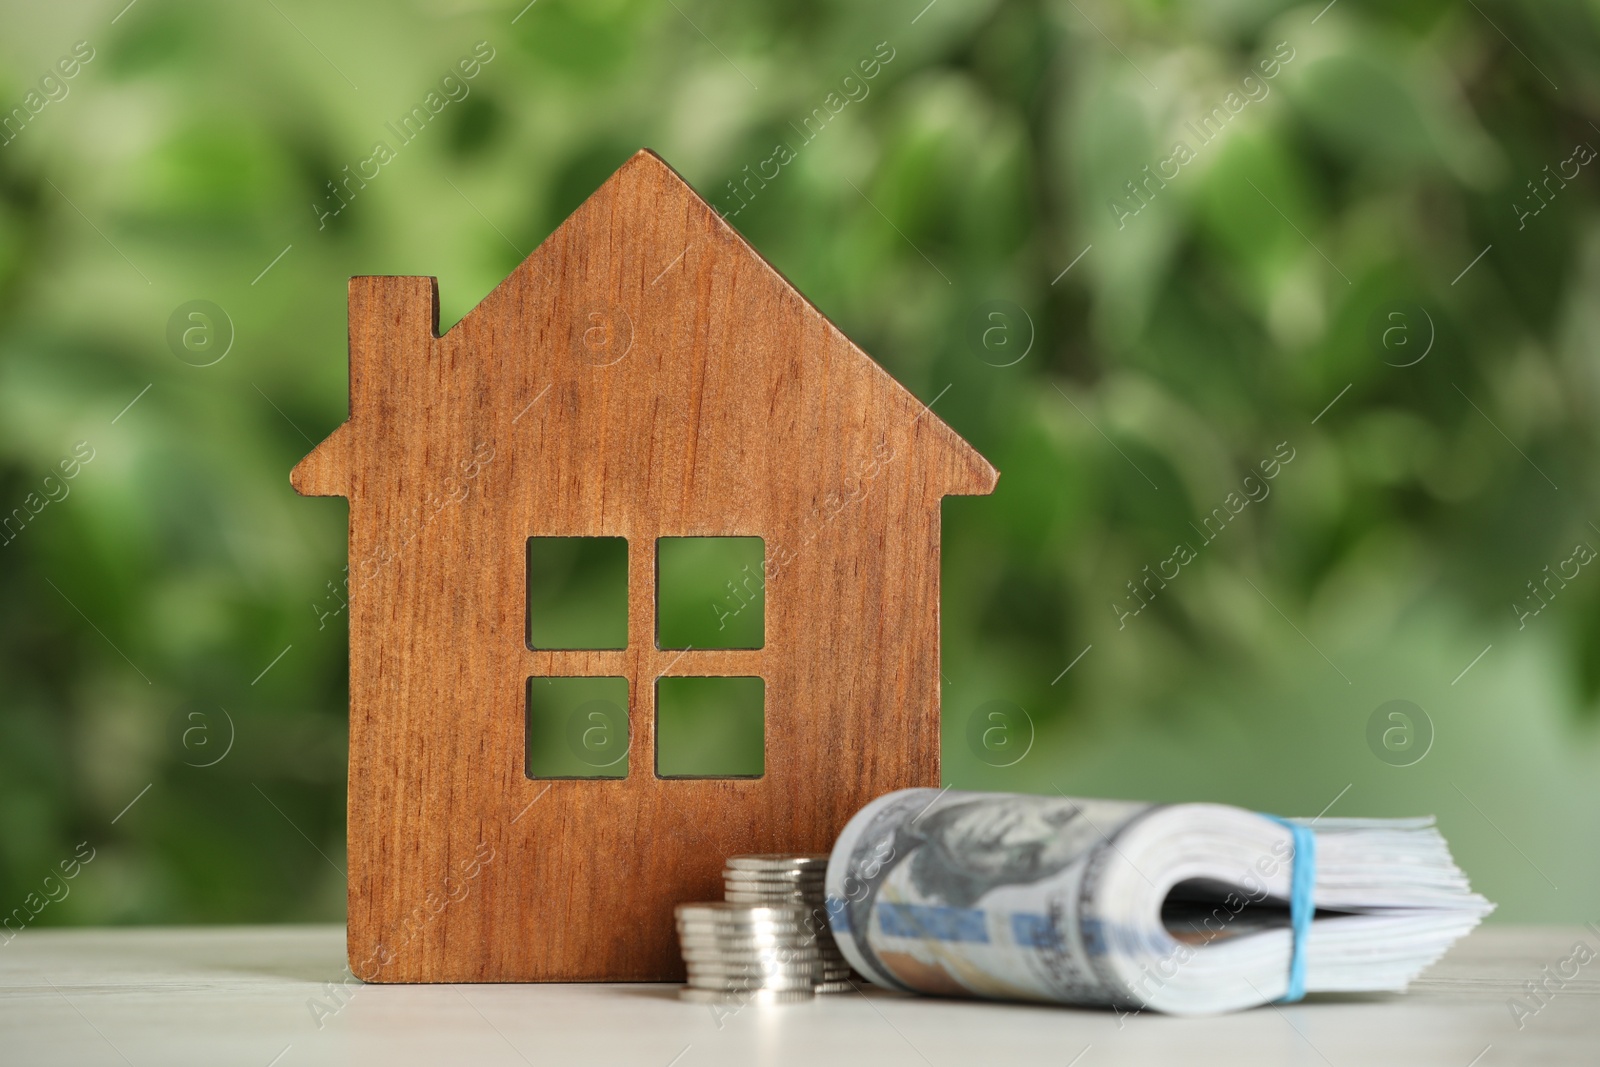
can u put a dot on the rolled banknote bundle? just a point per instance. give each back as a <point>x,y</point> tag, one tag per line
<point>1188,909</point>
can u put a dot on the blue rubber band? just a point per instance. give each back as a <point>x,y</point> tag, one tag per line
<point>1302,907</point>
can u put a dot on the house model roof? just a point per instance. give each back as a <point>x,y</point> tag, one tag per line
<point>634,313</point>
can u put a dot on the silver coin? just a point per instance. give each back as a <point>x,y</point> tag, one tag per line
<point>701,944</point>
<point>745,896</point>
<point>815,909</point>
<point>722,909</point>
<point>840,986</point>
<point>751,878</point>
<point>762,933</point>
<point>786,911</point>
<point>756,965</point>
<point>817,861</point>
<point>756,973</point>
<point>754,996</point>
<point>737,939</point>
<point>710,959</point>
<point>751,944</point>
<point>754,968</point>
<point>735,958</point>
<point>761,894</point>
<point>703,948</point>
<point>794,912</point>
<point>734,983</point>
<point>792,874</point>
<point>750,933</point>
<point>763,929</point>
<point>753,979</point>
<point>748,953</point>
<point>793,933</point>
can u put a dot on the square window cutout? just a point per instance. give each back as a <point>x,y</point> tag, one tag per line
<point>710,727</point>
<point>710,592</point>
<point>577,592</point>
<point>577,728</point>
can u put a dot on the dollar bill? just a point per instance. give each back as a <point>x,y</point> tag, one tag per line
<point>1181,908</point>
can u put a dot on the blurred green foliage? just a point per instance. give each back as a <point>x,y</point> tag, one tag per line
<point>171,622</point>
<point>577,728</point>
<point>710,727</point>
<point>577,592</point>
<point>711,592</point>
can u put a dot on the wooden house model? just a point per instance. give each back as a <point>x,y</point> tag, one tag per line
<point>645,375</point>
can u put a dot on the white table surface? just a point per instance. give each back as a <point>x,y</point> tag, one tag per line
<point>241,996</point>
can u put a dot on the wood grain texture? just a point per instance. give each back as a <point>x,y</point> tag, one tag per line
<point>644,373</point>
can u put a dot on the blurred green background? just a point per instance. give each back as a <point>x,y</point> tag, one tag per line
<point>171,625</point>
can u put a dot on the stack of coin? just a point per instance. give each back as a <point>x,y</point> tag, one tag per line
<point>792,879</point>
<point>743,952</point>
